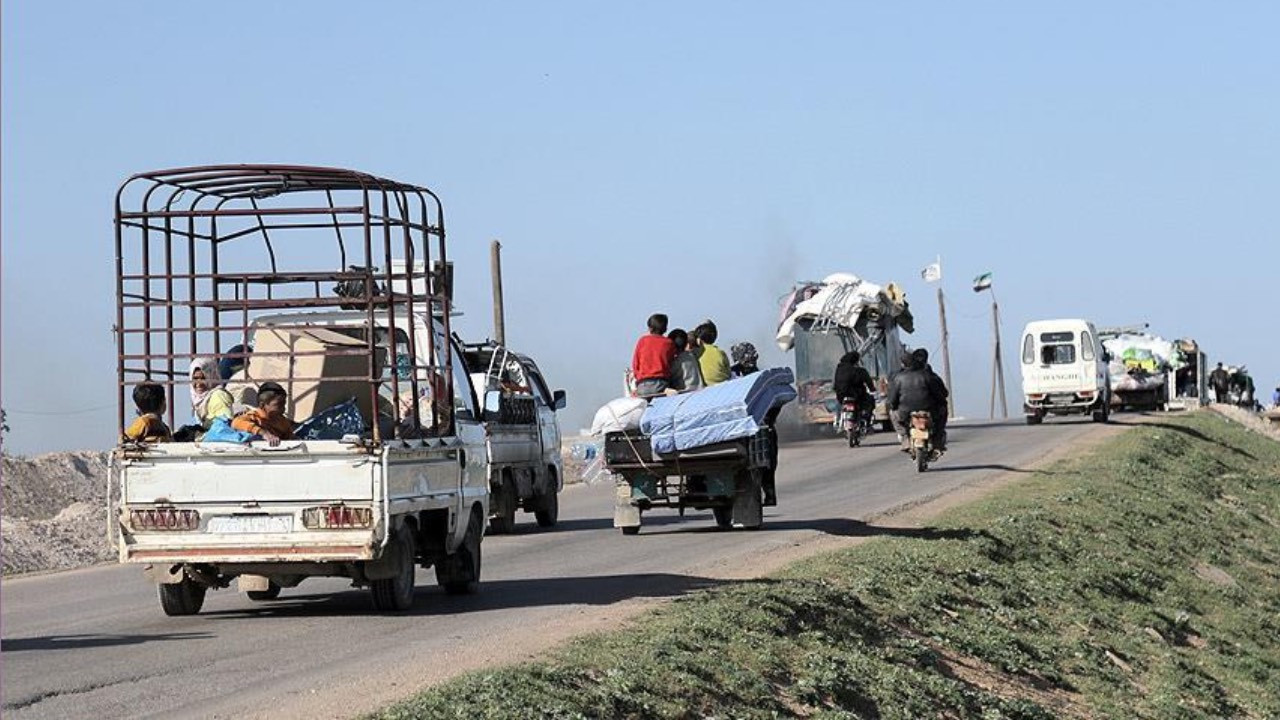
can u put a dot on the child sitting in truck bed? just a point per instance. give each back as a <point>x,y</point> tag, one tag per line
<point>268,419</point>
<point>149,398</point>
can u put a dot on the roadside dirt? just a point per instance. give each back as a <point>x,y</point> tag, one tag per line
<point>54,515</point>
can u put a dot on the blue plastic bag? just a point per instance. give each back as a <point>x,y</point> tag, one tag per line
<point>220,430</point>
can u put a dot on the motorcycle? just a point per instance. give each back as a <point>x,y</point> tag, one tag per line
<point>854,422</point>
<point>922,449</point>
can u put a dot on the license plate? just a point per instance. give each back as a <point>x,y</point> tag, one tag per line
<point>251,524</point>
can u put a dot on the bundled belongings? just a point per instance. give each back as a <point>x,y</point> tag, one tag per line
<point>730,410</point>
<point>841,299</point>
<point>624,413</point>
<point>1139,361</point>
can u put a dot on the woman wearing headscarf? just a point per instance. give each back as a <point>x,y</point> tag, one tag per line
<point>209,399</point>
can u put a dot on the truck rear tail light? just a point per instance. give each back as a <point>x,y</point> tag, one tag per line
<point>164,519</point>
<point>337,517</point>
<point>1035,396</point>
<point>1085,393</point>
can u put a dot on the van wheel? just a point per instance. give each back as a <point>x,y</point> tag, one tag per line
<point>1035,419</point>
<point>396,593</point>
<point>271,593</point>
<point>1102,414</point>
<point>548,511</point>
<point>182,598</point>
<point>459,572</point>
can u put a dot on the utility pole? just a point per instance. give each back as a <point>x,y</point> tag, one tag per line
<point>495,269</point>
<point>946,354</point>
<point>997,365</point>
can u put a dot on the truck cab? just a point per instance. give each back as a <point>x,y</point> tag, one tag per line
<point>1064,370</point>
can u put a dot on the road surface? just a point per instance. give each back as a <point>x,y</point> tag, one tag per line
<point>94,643</point>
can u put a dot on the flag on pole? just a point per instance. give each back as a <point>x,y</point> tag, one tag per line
<point>982,282</point>
<point>932,272</point>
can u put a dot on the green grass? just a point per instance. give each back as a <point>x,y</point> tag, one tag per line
<point>1140,581</point>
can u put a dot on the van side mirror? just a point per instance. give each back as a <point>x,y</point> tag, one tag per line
<point>558,400</point>
<point>492,402</point>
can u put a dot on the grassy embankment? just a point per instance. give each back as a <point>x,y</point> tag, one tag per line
<point>1140,581</point>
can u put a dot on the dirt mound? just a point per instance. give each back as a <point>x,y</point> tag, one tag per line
<point>55,514</point>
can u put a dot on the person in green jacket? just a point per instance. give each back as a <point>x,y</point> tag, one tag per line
<point>713,361</point>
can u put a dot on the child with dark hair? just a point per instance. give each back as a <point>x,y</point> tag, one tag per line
<point>149,399</point>
<point>714,362</point>
<point>686,375</point>
<point>268,419</point>
<point>651,360</point>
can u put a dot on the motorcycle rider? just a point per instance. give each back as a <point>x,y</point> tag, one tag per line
<point>939,389</point>
<point>853,382</point>
<point>914,390</point>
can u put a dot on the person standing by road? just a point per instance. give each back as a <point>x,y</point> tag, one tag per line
<point>652,358</point>
<point>1275,398</point>
<point>1221,381</point>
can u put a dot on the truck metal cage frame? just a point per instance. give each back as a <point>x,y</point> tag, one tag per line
<point>189,283</point>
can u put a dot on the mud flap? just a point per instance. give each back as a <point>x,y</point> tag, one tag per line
<point>625,513</point>
<point>163,574</point>
<point>253,583</point>
<point>385,567</point>
<point>748,509</point>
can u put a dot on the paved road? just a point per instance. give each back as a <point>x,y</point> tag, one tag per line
<point>94,643</point>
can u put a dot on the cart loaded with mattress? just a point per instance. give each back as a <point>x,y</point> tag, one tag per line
<point>714,449</point>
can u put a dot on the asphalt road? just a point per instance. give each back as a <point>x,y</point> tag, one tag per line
<point>94,643</point>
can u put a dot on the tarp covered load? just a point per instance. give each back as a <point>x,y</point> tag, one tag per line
<point>1139,361</point>
<point>730,410</point>
<point>840,300</point>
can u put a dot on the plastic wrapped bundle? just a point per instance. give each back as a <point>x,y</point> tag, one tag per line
<point>731,410</point>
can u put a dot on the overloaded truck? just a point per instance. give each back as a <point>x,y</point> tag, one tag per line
<point>821,321</point>
<point>525,469</point>
<point>1151,373</point>
<point>336,285</point>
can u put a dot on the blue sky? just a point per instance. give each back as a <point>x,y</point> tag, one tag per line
<point>1119,162</point>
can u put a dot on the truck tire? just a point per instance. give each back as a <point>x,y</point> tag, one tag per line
<point>395,593</point>
<point>182,598</point>
<point>548,511</point>
<point>630,530</point>
<point>1035,419</point>
<point>1102,414</point>
<point>271,593</point>
<point>886,426</point>
<point>459,572</point>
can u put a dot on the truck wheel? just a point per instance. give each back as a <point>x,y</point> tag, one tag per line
<point>631,530</point>
<point>459,573</point>
<point>886,425</point>
<point>1035,419</point>
<point>1102,414</point>
<point>724,516</point>
<point>182,598</point>
<point>396,593</point>
<point>548,511</point>
<point>271,593</point>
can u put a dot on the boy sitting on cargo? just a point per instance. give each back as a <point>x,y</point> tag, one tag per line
<point>268,419</point>
<point>148,397</point>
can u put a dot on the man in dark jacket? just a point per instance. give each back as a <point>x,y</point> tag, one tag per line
<point>853,381</point>
<point>914,390</point>
<point>1220,379</point>
<point>939,390</point>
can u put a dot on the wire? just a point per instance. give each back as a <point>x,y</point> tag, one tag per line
<point>60,412</point>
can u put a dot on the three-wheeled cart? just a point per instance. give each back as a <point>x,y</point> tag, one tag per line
<point>727,477</point>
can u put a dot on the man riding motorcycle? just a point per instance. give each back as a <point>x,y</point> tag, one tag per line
<point>918,388</point>
<point>853,382</point>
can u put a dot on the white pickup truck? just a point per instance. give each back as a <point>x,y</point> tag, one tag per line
<point>407,486</point>
<point>526,470</point>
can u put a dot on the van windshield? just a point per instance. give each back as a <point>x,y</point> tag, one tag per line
<point>1058,354</point>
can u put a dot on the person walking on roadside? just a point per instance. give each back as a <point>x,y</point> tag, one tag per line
<point>1275,398</point>
<point>652,359</point>
<point>1220,379</point>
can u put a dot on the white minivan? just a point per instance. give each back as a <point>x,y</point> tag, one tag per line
<point>1064,370</point>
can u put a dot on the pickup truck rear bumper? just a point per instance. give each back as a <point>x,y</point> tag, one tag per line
<point>247,554</point>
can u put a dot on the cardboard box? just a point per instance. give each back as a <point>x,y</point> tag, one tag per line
<point>309,396</point>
